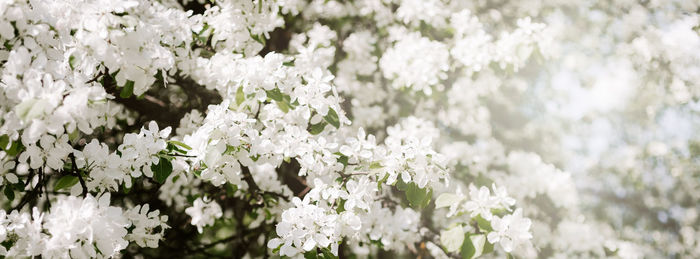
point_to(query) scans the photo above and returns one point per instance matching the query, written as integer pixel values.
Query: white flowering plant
(349, 129)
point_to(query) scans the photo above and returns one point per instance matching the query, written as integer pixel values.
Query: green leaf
(382, 181)
(230, 150)
(343, 159)
(73, 136)
(231, 189)
(447, 200)
(275, 94)
(178, 143)
(311, 254)
(332, 118)
(4, 140)
(9, 192)
(401, 185)
(284, 106)
(317, 128)
(427, 199)
(483, 223)
(327, 254)
(65, 182)
(377, 243)
(127, 90)
(453, 238)
(19, 185)
(14, 149)
(341, 206)
(488, 247)
(204, 28)
(125, 190)
(284, 102)
(375, 165)
(468, 250)
(162, 170)
(418, 197)
(71, 62)
(473, 246)
(240, 96)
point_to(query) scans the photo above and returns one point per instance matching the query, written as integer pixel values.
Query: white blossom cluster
(415, 62)
(204, 213)
(79, 228)
(370, 128)
(509, 230)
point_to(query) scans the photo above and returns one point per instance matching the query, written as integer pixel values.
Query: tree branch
(76, 172)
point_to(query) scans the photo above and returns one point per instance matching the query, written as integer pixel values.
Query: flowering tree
(365, 128)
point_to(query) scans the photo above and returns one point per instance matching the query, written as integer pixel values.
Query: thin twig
(254, 188)
(46, 190)
(30, 195)
(74, 166)
(180, 155)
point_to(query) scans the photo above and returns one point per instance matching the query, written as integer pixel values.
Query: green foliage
(162, 170)
(283, 101)
(74, 136)
(375, 165)
(179, 144)
(71, 62)
(484, 224)
(240, 96)
(9, 192)
(316, 129)
(418, 197)
(332, 118)
(343, 159)
(127, 89)
(15, 148)
(324, 253)
(475, 246)
(274, 94)
(66, 181)
(4, 140)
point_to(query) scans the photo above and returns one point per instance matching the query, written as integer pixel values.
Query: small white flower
(480, 202)
(204, 213)
(510, 230)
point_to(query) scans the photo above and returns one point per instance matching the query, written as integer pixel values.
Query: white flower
(361, 193)
(105, 168)
(480, 202)
(408, 156)
(432, 12)
(145, 223)
(139, 151)
(50, 150)
(203, 213)
(510, 231)
(394, 229)
(415, 62)
(79, 226)
(75, 228)
(501, 196)
(305, 227)
(5, 167)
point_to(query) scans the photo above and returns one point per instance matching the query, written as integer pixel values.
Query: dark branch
(76, 172)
